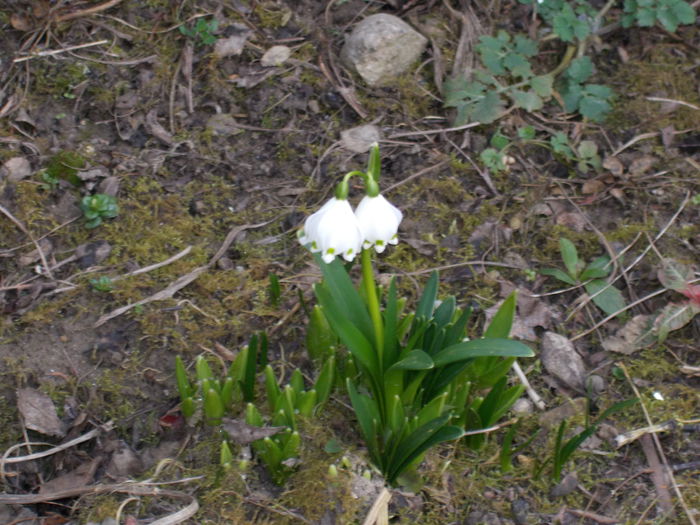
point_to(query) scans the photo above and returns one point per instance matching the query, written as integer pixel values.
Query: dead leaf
(233, 44)
(641, 165)
(614, 166)
(360, 138)
(275, 56)
(155, 129)
(560, 359)
(573, 220)
(15, 169)
(74, 479)
(592, 186)
(39, 412)
(20, 22)
(635, 335)
(243, 433)
(33, 256)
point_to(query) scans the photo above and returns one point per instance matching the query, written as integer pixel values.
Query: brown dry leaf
(635, 335)
(155, 129)
(532, 312)
(34, 256)
(591, 187)
(232, 45)
(613, 165)
(20, 22)
(641, 165)
(243, 433)
(39, 412)
(573, 220)
(74, 479)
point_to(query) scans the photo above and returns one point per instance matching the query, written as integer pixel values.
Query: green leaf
(525, 46)
(610, 299)
(580, 69)
(345, 296)
(324, 382)
(570, 256)
(517, 65)
(183, 383)
(213, 407)
(481, 347)
(410, 451)
(502, 321)
(594, 108)
(528, 132)
(425, 307)
(349, 334)
(684, 12)
(414, 360)
(320, 338)
(202, 368)
(598, 268)
(488, 108)
(367, 414)
(527, 100)
(542, 85)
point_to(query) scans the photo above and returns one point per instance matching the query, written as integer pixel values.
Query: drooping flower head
(379, 222)
(333, 230)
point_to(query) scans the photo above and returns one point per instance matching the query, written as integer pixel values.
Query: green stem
(373, 305)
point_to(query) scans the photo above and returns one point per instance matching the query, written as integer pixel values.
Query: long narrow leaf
(481, 347)
(414, 360)
(502, 322)
(455, 333)
(390, 326)
(345, 296)
(427, 300)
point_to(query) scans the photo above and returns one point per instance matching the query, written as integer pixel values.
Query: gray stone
(381, 47)
(560, 359)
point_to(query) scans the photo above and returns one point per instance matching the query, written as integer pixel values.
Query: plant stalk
(373, 305)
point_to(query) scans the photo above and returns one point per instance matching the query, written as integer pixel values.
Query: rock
(569, 409)
(561, 360)
(381, 47)
(522, 406)
(15, 169)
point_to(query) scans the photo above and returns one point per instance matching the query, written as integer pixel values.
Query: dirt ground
(204, 150)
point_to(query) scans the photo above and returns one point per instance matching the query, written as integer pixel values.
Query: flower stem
(373, 304)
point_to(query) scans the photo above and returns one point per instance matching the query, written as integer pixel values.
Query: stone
(381, 47)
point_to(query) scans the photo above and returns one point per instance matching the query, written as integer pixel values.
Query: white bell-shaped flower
(333, 230)
(379, 222)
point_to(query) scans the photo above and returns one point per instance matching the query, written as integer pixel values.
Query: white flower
(333, 230)
(379, 221)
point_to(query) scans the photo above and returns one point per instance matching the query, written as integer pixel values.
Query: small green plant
(591, 276)
(279, 452)
(215, 397)
(590, 100)
(670, 13)
(102, 284)
(563, 450)
(65, 165)
(570, 21)
(50, 182)
(483, 98)
(273, 290)
(97, 207)
(202, 31)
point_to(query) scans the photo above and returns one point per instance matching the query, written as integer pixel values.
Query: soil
(112, 98)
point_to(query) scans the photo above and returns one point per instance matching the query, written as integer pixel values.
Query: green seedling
(202, 31)
(563, 450)
(274, 291)
(98, 207)
(102, 284)
(591, 276)
(593, 101)
(570, 20)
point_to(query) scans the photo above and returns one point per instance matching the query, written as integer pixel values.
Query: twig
(53, 52)
(379, 513)
(598, 518)
(659, 450)
(155, 266)
(534, 396)
(482, 173)
(87, 12)
(434, 131)
(680, 102)
(21, 226)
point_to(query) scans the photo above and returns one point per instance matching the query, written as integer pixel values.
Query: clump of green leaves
(563, 450)
(570, 20)
(102, 284)
(670, 13)
(483, 98)
(202, 31)
(590, 100)
(421, 381)
(98, 207)
(591, 276)
(279, 452)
